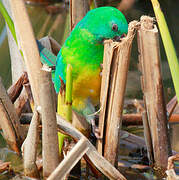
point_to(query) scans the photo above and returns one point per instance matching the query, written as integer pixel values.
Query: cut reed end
(147, 22)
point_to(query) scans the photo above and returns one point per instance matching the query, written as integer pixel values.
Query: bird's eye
(115, 27)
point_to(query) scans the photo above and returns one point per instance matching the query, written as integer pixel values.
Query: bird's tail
(47, 57)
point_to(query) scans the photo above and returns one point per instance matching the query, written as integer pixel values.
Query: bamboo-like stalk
(22, 103)
(15, 90)
(28, 45)
(136, 119)
(50, 152)
(168, 45)
(148, 138)
(171, 106)
(78, 9)
(17, 63)
(116, 78)
(9, 121)
(99, 161)
(149, 58)
(71, 160)
(29, 147)
(107, 60)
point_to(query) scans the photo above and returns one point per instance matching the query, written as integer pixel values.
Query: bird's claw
(96, 131)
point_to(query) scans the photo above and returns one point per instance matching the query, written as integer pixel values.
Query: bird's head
(104, 23)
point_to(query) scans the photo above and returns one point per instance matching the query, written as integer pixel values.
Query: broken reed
(114, 78)
(99, 161)
(29, 147)
(152, 86)
(42, 96)
(9, 121)
(49, 124)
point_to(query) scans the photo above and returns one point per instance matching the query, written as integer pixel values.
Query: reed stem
(168, 45)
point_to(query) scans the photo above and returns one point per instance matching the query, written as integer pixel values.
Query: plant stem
(8, 20)
(168, 45)
(68, 95)
(65, 104)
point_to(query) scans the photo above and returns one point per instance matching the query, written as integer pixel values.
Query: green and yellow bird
(83, 49)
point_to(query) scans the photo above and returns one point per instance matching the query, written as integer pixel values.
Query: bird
(83, 50)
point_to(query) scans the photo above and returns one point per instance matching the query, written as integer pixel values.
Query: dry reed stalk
(132, 119)
(136, 119)
(171, 106)
(28, 45)
(78, 9)
(148, 138)
(29, 147)
(107, 61)
(22, 104)
(99, 161)
(17, 63)
(81, 124)
(50, 147)
(9, 121)
(149, 58)
(114, 77)
(70, 160)
(171, 175)
(15, 90)
(41, 33)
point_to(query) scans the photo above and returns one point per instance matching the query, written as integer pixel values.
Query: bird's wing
(59, 73)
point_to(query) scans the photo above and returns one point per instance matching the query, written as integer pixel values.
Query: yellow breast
(86, 85)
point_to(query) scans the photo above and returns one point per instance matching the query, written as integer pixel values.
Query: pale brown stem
(148, 138)
(9, 121)
(70, 160)
(15, 90)
(115, 68)
(50, 152)
(152, 86)
(22, 103)
(17, 63)
(78, 9)
(28, 45)
(29, 147)
(100, 162)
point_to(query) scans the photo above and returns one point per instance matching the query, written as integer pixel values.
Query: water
(58, 27)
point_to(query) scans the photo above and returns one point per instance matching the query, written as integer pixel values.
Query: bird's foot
(95, 129)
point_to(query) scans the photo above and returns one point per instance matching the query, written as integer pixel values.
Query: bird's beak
(118, 38)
